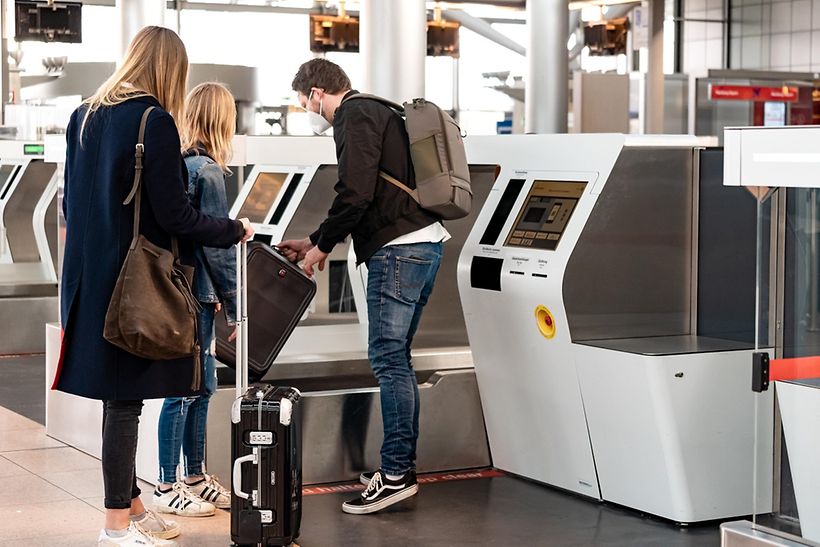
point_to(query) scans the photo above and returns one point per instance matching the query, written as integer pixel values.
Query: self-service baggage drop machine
(288, 191)
(607, 287)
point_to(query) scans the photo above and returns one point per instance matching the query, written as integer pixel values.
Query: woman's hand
(246, 224)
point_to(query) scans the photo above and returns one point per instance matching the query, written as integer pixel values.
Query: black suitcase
(279, 293)
(266, 497)
(266, 505)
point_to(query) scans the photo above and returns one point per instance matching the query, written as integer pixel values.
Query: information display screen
(262, 196)
(545, 214)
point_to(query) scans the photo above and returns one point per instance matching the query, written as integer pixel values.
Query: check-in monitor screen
(545, 214)
(262, 196)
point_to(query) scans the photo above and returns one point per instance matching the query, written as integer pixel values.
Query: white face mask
(317, 122)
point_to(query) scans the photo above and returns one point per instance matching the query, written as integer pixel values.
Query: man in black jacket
(400, 243)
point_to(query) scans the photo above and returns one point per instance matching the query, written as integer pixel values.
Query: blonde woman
(99, 172)
(209, 123)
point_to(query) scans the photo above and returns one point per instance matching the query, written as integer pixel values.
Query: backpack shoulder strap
(400, 185)
(386, 102)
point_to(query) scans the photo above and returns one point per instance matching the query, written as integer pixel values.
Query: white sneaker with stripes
(181, 501)
(211, 491)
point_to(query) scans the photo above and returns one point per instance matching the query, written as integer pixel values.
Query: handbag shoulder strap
(140, 151)
(136, 194)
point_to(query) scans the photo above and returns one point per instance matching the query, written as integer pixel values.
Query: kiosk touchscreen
(545, 214)
(261, 196)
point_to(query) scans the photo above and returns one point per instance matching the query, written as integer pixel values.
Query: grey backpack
(438, 156)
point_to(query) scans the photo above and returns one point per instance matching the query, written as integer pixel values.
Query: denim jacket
(215, 277)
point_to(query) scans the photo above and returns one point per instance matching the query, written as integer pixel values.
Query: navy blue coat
(99, 173)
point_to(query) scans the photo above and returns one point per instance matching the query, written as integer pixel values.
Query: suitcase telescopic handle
(241, 319)
(237, 475)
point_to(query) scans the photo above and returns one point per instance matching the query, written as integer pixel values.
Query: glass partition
(788, 318)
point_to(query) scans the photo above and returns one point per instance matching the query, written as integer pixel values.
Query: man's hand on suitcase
(295, 250)
(314, 257)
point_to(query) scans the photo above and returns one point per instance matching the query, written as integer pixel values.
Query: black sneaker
(382, 493)
(366, 477)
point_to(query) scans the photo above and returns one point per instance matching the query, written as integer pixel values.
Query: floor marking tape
(422, 479)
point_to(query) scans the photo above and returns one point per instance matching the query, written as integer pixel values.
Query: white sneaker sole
(383, 504)
(170, 533)
(165, 510)
(113, 543)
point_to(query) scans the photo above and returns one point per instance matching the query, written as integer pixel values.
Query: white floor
(52, 495)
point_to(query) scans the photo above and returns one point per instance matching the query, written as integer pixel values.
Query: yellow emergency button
(545, 322)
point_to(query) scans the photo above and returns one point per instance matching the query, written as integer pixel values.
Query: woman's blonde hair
(210, 121)
(156, 64)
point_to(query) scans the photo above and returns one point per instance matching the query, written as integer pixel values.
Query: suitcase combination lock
(260, 438)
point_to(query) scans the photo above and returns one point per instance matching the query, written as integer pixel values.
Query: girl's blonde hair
(156, 64)
(210, 121)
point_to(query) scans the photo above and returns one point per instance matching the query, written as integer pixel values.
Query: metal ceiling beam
(483, 28)
(208, 6)
(520, 4)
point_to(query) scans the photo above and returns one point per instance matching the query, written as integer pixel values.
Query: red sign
(754, 93)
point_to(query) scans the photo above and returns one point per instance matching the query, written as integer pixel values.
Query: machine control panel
(545, 214)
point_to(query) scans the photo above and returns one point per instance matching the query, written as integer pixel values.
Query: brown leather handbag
(153, 312)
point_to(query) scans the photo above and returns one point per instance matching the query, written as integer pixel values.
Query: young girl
(208, 126)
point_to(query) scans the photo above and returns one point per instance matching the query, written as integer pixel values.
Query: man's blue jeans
(399, 283)
(183, 420)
